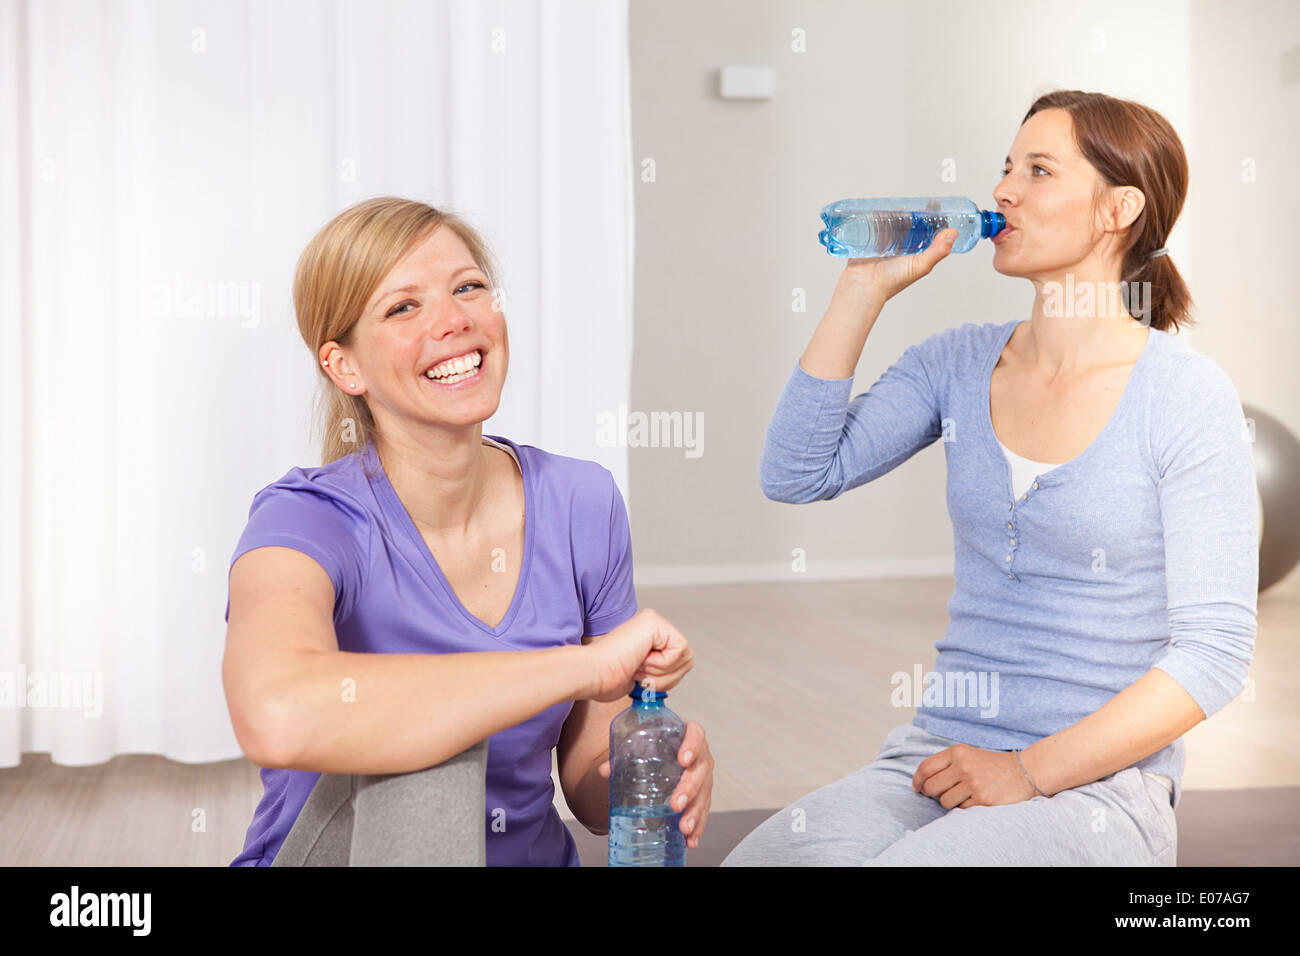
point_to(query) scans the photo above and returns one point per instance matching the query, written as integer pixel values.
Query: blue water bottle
(872, 228)
(643, 772)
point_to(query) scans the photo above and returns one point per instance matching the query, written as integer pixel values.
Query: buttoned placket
(1012, 533)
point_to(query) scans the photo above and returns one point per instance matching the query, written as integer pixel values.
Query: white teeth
(458, 377)
(454, 368)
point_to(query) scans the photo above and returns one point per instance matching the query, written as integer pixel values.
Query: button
(1009, 574)
(1010, 506)
(1008, 557)
(1013, 540)
(1009, 526)
(1035, 484)
(1024, 496)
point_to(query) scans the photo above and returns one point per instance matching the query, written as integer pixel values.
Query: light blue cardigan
(1140, 552)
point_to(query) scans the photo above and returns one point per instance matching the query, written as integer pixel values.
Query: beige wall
(881, 102)
(1245, 96)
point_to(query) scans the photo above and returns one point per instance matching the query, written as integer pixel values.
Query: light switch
(746, 82)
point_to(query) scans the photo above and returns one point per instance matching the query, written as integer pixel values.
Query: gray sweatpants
(431, 817)
(872, 817)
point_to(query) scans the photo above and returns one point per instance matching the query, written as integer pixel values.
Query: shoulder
(1186, 379)
(581, 509)
(316, 498)
(1194, 404)
(956, 348)
(321, 512)
(586, 486)
(969, 338)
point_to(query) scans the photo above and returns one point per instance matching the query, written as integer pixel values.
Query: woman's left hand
(694, 791)
(965, 776)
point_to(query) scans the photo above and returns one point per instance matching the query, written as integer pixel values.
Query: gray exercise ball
(1277, 475)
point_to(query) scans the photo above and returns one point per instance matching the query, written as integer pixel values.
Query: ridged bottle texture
(873, 228)
(644, 740)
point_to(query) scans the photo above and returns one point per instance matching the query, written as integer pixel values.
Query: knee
(760, 845)
(787, 839)
(472, 759)
(463, 775)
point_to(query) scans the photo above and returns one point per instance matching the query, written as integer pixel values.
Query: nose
(450, 318)
(1002, 192)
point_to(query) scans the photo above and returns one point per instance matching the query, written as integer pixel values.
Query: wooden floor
(791, 681)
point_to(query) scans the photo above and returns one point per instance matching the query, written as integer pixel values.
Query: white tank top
(1023, 470)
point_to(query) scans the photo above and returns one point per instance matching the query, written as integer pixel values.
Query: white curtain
(162, 166)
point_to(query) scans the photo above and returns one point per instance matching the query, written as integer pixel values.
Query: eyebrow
(416, 288)
(1047, 156)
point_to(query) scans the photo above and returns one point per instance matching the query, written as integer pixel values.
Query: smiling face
(1046, 194)
(433, 311)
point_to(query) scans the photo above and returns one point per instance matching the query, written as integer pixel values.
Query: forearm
(1149, 714)
(798, 465)
(343, 712)
(838, 341)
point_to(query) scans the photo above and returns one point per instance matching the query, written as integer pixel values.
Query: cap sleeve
(608, 594)
(329, 528)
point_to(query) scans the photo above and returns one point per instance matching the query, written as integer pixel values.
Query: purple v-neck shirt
(390, 597)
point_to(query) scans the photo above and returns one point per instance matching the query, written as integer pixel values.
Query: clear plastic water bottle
(644, 740)
(871, 228)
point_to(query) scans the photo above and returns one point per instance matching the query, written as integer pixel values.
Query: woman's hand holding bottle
(889, 275)
(645, 648)
(864, 287)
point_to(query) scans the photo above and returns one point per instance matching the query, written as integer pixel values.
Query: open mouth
(457, 370)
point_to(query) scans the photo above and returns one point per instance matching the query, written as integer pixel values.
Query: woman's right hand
(645, 648)
(889, 275)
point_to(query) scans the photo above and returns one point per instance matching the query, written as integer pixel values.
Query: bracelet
(1026, 772)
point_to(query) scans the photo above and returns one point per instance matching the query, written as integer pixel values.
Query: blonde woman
(416, 625)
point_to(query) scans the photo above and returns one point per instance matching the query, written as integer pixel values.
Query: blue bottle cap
(991, 223)
(640, 693)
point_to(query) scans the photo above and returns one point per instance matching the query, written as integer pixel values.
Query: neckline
(399, 516)
(1024, 460)
(1056, 471)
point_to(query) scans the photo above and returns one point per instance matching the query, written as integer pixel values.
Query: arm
(864, 287)
(841, 335)
(1149, 714)
(818, 444)
(609, 598)
(582, 748)
(287, 682)
(1206, 488)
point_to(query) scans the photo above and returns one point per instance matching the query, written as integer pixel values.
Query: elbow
(771, 484)
(791, 491)
(799, 484)
(279, 744)
(262, 735)
(267, 730)
(771, 490)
